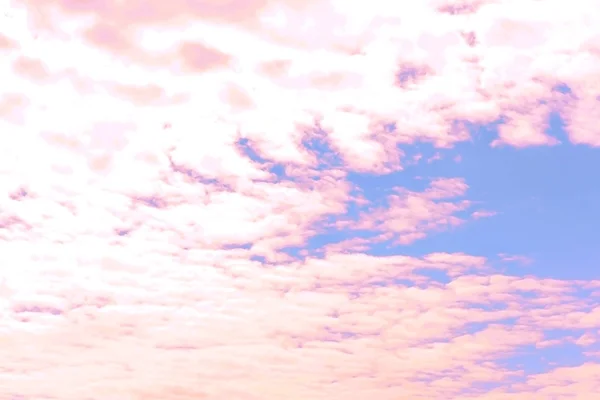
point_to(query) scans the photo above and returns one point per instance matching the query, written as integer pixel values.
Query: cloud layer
(187, 205)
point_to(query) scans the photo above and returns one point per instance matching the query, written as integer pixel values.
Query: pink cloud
(108, 36)
(7, 43)
(410, 215)
(13, 105)
(238, 98)
(200, 58)
(580, 116)
(179, 219)
(31, 69)
(522, 130)
(140, 94)
(483, 214)
(520, 259)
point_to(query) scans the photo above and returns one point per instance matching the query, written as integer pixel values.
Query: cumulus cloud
(167, 170)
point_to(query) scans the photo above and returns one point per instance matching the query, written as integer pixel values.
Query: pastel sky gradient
(299, 199)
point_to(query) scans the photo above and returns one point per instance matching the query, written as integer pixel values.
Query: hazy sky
(299, 199)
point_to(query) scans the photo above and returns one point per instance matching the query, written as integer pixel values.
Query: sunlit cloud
(274, 199)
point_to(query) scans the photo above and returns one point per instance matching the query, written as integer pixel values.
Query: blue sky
(546, 199)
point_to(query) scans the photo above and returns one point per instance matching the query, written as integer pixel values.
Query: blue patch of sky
(243, 246)
(407, 75)
(260, 259)
(474, 327)
(434, 274)
(293, 251)
(400, 282)
(562, 88)
(557, 333)
(534, 360)
(245, 146)
(547, 198)
(327, 156)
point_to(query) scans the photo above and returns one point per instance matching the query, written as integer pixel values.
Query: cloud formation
(190, 204)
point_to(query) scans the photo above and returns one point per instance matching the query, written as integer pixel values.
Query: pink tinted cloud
(409, 216)
(31, 69)
(142, 262)
(7, 43)
(520, 259)
(483, 214)
(200, 58)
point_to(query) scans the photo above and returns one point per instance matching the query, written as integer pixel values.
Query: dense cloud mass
(219, 199)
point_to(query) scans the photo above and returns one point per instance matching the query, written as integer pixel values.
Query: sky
(299, 199)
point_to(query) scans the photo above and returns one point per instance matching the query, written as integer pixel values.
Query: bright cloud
(299, 199)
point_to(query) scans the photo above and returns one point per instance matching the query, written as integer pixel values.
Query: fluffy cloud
(167, 168)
